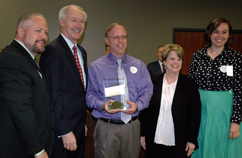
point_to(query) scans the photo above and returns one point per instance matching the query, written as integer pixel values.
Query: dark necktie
(35, 60)
(78, 65)
(163, 70)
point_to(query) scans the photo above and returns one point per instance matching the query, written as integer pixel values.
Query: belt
(118, 122)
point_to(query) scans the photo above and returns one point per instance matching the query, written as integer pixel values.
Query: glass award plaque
(116, 105)
(115, 89)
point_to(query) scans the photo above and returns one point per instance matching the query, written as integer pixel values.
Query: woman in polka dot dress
(217, 72)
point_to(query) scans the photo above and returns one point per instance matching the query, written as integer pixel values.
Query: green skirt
(213, 142)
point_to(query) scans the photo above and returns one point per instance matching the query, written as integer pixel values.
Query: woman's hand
(142, 142)
(234, 131)
(190, 148)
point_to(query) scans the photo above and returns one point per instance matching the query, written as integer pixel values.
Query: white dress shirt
(164, 133)
(161, 66)
(71, 45)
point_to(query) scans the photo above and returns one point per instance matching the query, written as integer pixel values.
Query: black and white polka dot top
(210, 75)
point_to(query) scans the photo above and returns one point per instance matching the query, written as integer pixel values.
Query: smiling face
(220, 35)
(173, 63)
(74, 24)
(35, 36)
(117, 47)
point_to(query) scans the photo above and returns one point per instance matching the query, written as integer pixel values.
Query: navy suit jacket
(62, 75)
(154, 69)
(26, 110)
(186, 113)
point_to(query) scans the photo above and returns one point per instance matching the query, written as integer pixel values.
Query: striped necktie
(78, 65)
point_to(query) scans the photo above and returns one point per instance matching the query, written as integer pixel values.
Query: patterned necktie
(163, 70)
(78, 65)
(121, 75)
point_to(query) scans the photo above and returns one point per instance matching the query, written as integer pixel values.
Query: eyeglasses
(117, 38)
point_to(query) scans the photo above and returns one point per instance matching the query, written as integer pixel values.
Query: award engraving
(115, 89)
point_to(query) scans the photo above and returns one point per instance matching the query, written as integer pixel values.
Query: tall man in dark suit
(156, 68)
(64, 63)
(26, 111)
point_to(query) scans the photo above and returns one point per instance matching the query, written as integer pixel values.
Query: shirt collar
(205, 52)
(69, 43)
(114, 59)
(25, 48)
(160, 62)
(173, 85)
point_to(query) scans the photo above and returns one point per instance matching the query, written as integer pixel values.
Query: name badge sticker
(223, 69)
(133, 69)
(229, 70)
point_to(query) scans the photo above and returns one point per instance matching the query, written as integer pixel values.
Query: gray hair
(63, 11)
(22, 21)
(159, 47)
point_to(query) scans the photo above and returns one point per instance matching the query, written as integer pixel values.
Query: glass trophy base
(116, 105)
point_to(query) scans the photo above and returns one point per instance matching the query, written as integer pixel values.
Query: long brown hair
(213, 25)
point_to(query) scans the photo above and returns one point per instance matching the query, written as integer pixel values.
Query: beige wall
(149, 23)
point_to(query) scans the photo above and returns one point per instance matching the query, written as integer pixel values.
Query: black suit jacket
(62, 75)
(154, 69)
(186, 113)
(26, 110)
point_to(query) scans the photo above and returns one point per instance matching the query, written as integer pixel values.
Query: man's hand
(69, 141)
(106, 105)
(234, 131)
(42, 155)
(190, 148)
(142, 142)
(132, 109)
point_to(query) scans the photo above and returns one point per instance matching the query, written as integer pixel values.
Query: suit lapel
(30, 59)
(179, 88)
(25, 53)
(158, 89)
(157, 67)
(70, 57)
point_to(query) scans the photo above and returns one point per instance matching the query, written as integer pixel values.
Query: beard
(34, 48)
(37, 50)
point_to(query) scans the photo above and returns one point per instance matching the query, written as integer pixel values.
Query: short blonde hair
(111, 26)
(169, 47)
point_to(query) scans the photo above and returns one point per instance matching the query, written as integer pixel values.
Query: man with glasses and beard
(26, 110)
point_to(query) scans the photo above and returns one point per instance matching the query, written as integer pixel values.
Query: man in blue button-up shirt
(113, 137)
